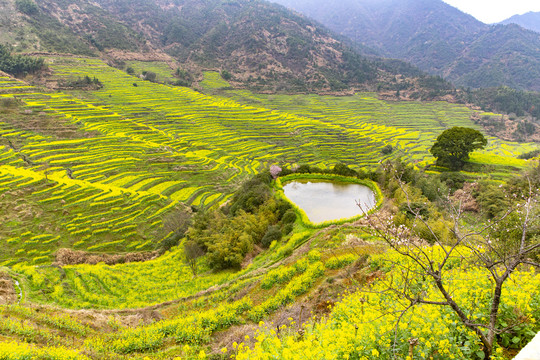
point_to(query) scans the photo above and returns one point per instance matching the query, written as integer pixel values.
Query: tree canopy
(453, 146)
(18, 64)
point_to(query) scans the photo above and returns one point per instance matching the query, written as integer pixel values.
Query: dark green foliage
(492, 199)
(130, 70)
(529, 155)
(287, 229)
(303, 169)
(521, 185)
(509, 231)
(395, 66)
(282, 208)
(504, 99)
(272, 234)
(150, 76)
(453, 146)
(431, 186)
(344, 170)
(18, 64)
(229, 233)
(54, 36)
(436, 84)
(289, 217)
(184, 78)
(82, 83)
(168, 243)
(435, 37)
(221, 34)
(414, 209)
(387, 150)
(226, 75)
(454, 180)
(27, 7)
(338, 169)
(100, 29)
(251, 195)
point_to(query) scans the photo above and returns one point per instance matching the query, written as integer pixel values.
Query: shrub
(252, 194)
(529, 155)
(272, 234)
(226, 75)
(150, 76)
(454, 180)
(492, 200)
(289, 217)
(287, 229)
(82, 83)
(344, 170)
(387, 149)
(18, 64)
(283, 207)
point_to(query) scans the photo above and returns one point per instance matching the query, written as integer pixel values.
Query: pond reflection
(325, 200)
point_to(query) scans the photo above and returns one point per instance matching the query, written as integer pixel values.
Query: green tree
(18, 64)
(453, 146)
(226, 75)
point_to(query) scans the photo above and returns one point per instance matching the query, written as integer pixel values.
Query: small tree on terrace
(453, 146)
(192, 251)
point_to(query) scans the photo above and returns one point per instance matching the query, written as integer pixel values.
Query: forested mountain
(263, 45)
(436, 37)
(530, 20)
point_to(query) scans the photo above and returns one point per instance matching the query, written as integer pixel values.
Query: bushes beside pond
(338, 169)
(253, 218)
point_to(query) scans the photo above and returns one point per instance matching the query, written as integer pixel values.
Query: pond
(326, 200)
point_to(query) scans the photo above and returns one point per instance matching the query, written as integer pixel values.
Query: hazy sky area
(492, 11)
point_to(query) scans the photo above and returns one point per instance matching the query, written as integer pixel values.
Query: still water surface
(325, 200)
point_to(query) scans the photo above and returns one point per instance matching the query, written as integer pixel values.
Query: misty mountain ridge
(530, 21)
(436, 37)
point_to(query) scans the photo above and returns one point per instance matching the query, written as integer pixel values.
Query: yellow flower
(375, 353)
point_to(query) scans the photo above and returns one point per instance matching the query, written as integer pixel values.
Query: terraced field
(104, 170)
(424, 121)
(138, 151)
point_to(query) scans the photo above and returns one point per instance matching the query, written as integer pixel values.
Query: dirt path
(8, 295)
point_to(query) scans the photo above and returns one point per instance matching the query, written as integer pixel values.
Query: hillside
(262, 45)
(530, 20)
(437, 38)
